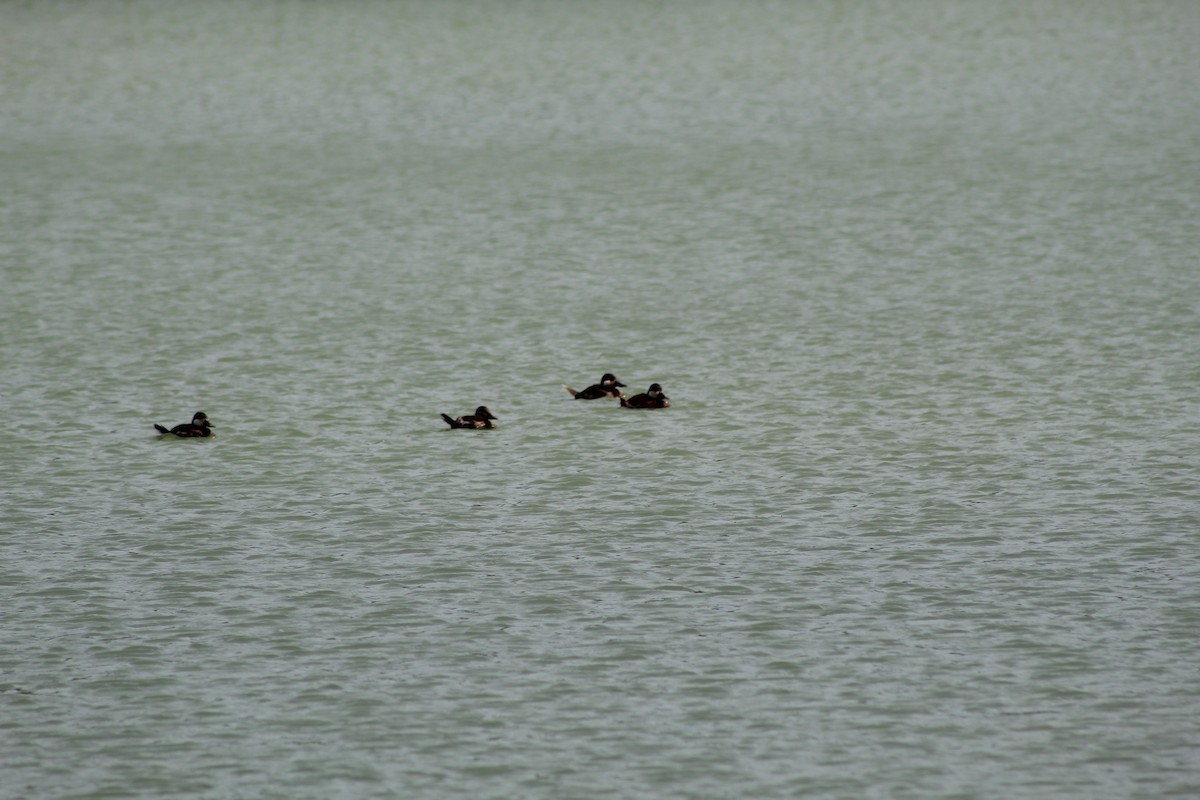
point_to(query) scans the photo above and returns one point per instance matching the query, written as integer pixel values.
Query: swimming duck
(482, 418)
(199, 426)
(653, 398)
(607, 387)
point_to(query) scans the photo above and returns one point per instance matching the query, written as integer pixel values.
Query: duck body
(198, 427)
(651, 398)
(608, 386)
(482, 418)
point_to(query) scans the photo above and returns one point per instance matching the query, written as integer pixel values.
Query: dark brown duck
(652, 398)
(199, 426)
(608, 386)
(482, 418)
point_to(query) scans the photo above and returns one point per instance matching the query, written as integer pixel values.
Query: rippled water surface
(920, 280)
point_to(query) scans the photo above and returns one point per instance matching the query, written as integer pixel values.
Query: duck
(199, 426)
(608, 386)
(653, 398)
(482, 418)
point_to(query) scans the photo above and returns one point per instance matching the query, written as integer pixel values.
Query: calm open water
(921, 280)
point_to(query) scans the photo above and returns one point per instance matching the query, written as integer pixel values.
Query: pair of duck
(201, 427)
(608, 386)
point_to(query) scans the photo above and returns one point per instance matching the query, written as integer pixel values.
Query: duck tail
(160, 428)
(572, 391)
(624, 402)
(449, 420)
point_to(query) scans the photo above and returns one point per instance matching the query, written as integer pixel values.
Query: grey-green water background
(921, 279)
